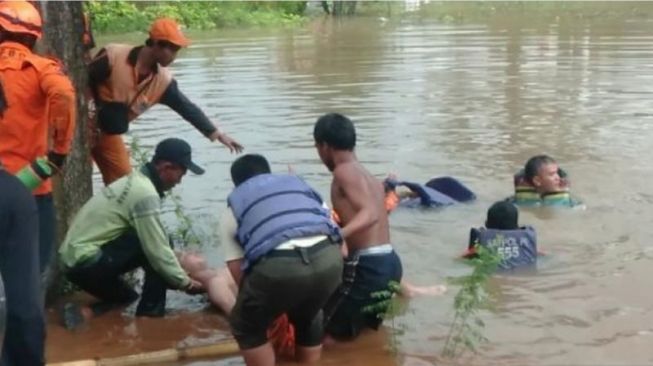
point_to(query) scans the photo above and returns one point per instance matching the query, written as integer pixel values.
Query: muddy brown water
(471, 101)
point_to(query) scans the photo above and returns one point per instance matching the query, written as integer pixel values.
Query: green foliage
(119, 16)
(465, 332)
(386, 307)
(383, 307)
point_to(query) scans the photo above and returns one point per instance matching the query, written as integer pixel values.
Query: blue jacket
(271, 209)
(441, 191)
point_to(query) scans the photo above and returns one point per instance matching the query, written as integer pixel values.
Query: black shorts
(364, 274)
(284, 281)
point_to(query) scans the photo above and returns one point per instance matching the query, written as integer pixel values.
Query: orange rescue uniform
(122, 85)
(40, 99)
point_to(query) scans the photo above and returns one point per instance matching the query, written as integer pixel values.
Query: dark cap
(176, 151)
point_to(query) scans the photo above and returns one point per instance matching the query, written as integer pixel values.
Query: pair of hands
(227, 141)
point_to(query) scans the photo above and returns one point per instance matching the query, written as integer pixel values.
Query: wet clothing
(517, 248)
(437, 192)
(101, 276)
(40, 107)
(293, 281)
(423, 195)
(366, 271)
(120, 97)
(19, 267)
(274, 208)
(132, 203)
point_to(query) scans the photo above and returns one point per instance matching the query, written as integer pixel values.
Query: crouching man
(119, 230)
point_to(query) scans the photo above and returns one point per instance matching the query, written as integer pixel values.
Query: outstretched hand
(227, 141)
(194, 288)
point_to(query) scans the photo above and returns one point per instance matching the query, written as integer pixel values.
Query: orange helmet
(20, 17)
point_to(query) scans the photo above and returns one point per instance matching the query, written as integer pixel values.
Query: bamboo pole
(222, 349)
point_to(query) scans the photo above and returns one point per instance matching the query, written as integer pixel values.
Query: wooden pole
(222, 349)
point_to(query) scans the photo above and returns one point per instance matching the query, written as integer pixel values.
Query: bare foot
(409, 290)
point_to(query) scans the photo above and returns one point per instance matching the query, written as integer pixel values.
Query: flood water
(472, 101)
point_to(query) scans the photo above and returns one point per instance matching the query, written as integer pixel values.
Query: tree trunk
(338, 7)
(351, 7)
(63, 29)
(341, 8)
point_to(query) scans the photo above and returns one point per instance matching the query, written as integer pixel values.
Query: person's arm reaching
(154, 242)
(175, 99)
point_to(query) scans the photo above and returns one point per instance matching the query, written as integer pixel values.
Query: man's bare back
(358, 198)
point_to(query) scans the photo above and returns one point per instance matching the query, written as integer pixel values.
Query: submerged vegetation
(466, 330)
(386, 307)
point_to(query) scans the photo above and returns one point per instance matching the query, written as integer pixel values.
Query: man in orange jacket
(126, 81)
(38, 114)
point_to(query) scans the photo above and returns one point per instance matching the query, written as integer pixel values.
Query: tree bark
(343, 7)
(62, 37)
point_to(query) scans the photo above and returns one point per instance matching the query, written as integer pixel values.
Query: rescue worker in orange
(126, 81)
(39, 118)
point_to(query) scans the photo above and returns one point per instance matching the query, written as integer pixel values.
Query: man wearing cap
(126, 81)
(119, 230)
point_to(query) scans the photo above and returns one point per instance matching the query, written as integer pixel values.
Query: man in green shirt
(119, 229)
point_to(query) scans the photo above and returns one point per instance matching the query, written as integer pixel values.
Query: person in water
(358, 199)
(542, 182)
(437, 192)
(515, 245)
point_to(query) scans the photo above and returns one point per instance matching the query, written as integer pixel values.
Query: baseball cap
(176, 151)
(167, 29)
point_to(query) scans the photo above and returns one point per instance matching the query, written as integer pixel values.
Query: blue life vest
(271, 209)
(517, 248)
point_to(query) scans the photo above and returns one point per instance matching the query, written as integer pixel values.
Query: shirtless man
(358, 198)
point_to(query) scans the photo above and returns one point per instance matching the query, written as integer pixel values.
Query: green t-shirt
(130, 203)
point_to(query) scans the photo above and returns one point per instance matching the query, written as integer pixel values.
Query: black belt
(303, 252)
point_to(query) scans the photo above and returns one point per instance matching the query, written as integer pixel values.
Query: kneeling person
(281, 247)
(119, 230)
